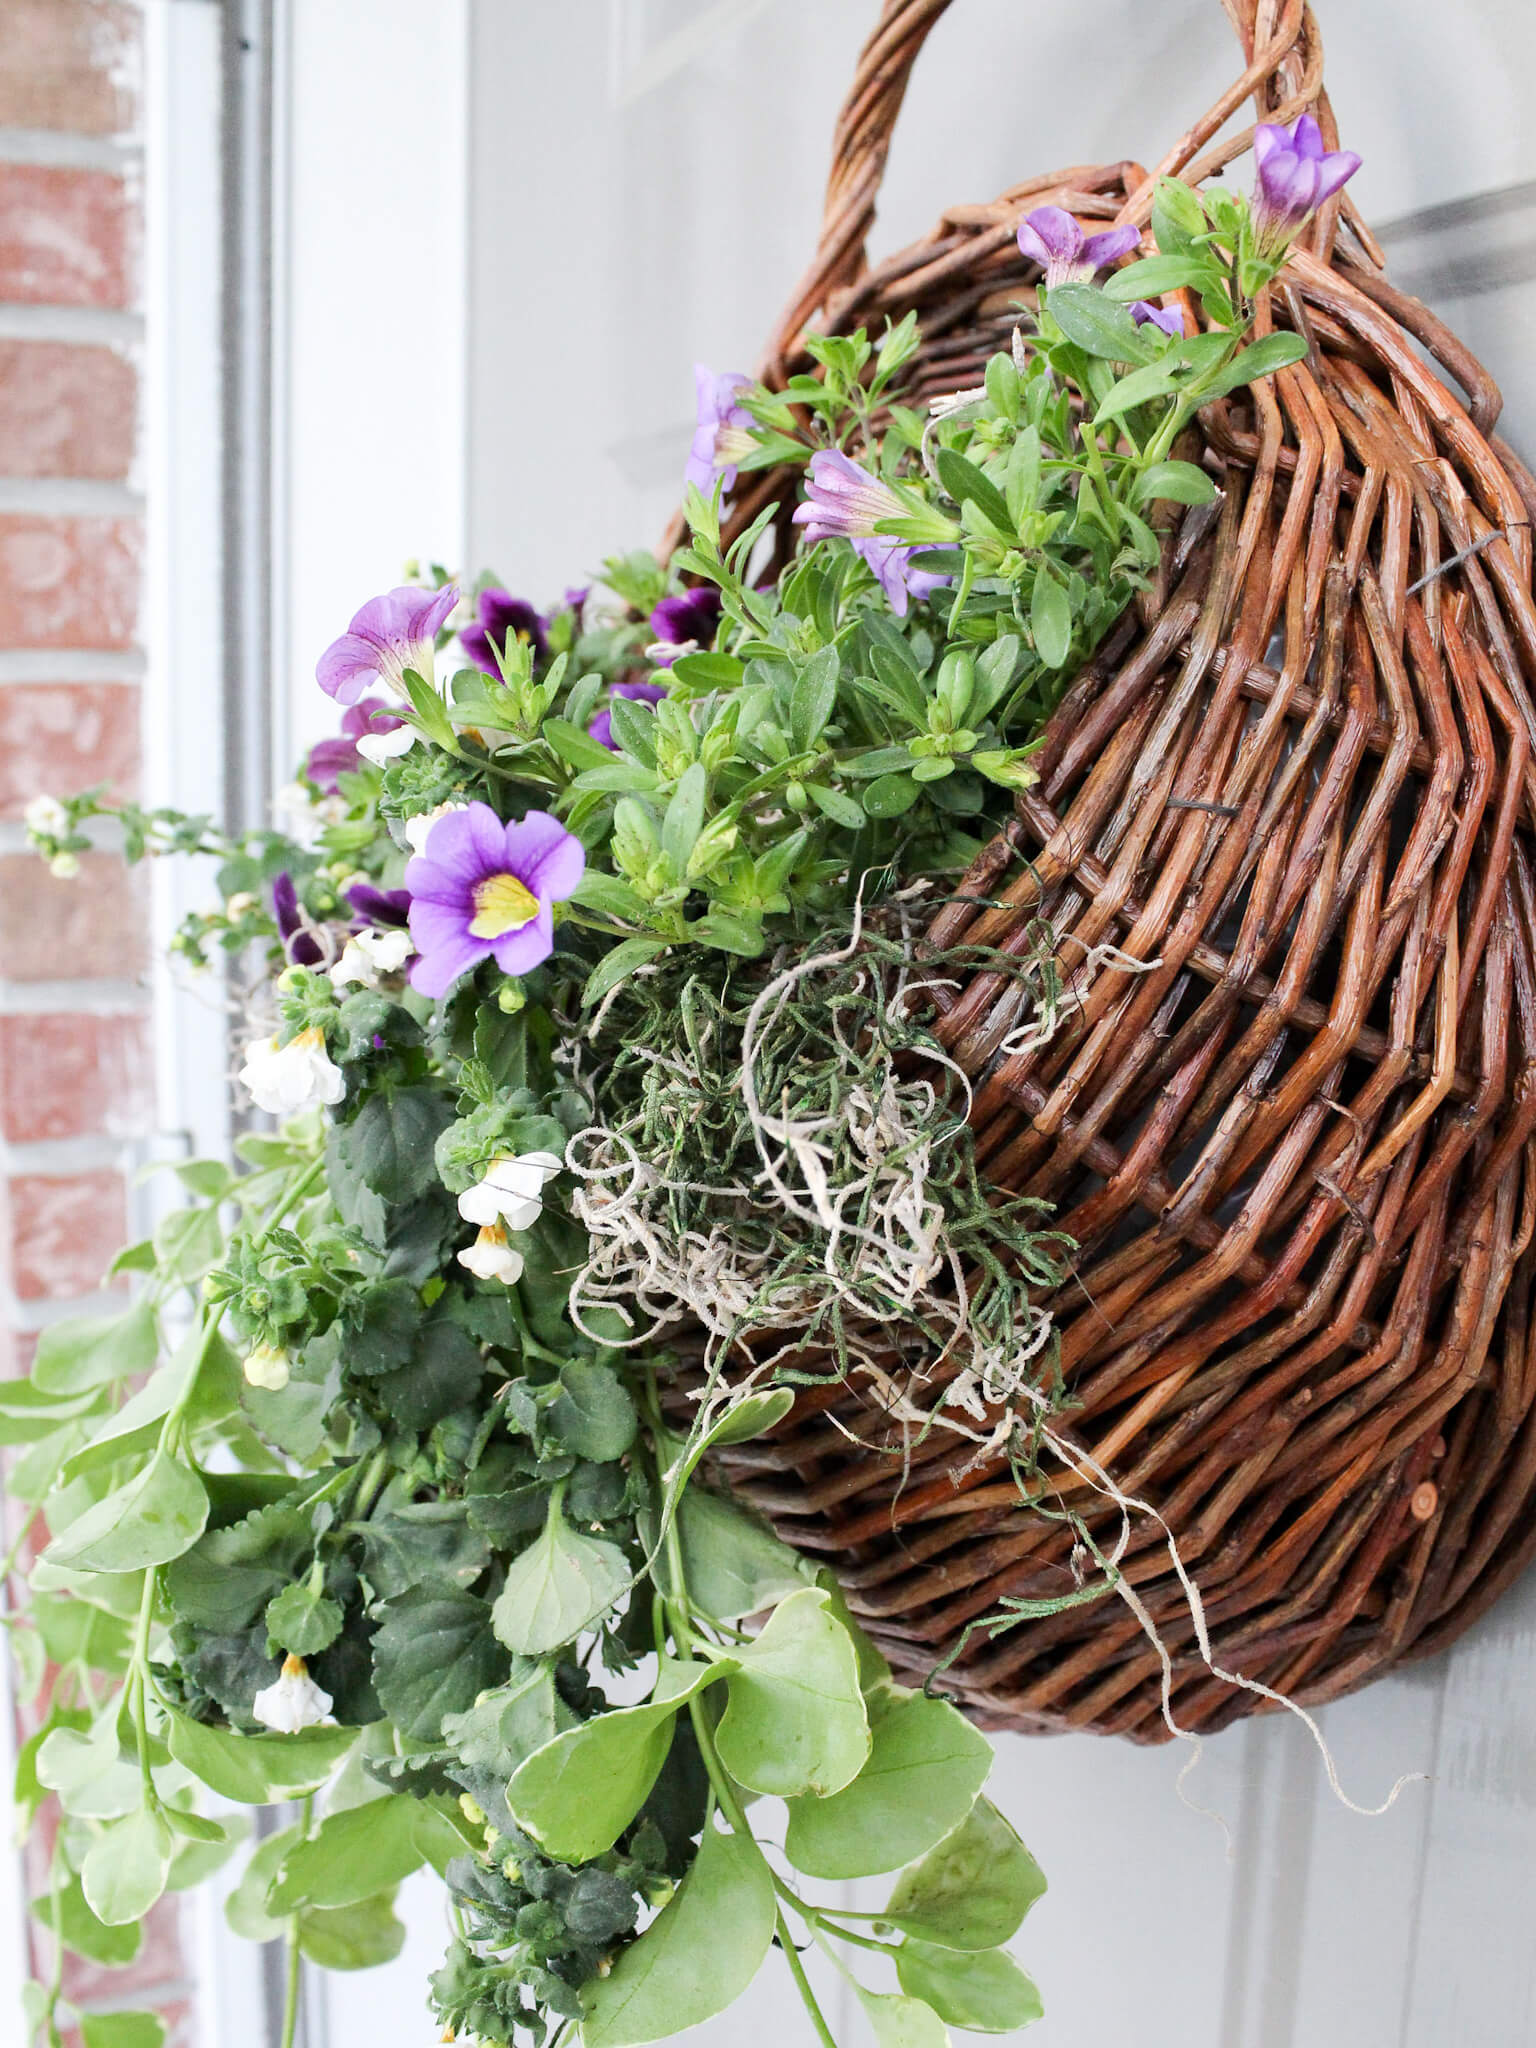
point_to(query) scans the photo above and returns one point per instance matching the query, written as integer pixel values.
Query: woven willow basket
(1297, 1151)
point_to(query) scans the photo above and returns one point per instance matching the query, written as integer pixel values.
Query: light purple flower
(601, 728)
(1169, 318)
(389, 635)
(1295, 175)
(1052, 238)
(482, 889)
(889, 560)
(575, 599)
(685, 620)
(329, 759)
(721, 438)
(843, 501)
(503, 618)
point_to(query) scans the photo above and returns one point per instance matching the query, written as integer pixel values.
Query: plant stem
(291, 1995)
(803, 1985)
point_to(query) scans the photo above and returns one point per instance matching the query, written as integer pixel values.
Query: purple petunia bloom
(721, 438)
(330, 758)
(1052, 238)
(575, 599)
(388, 909)
(299, 945)
(389, 635)
(1169, 318)
(1295, 175)
(685, 620)
(484, 889)
(889, 559)
(843, 501)
(503, 619)
(601, 728)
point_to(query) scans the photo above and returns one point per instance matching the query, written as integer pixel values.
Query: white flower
(511, 1191)
(490, 1257)
(293, 1701)
(267, 1367)
(302, 818)
(379, 747)
(241, 904)
(46, 818)
(416, 829)
(65, 866)
(287, 1079)
(368, 956)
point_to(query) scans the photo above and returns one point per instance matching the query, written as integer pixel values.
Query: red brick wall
(75, 1075)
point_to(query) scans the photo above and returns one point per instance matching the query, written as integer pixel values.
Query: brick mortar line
(65, 497)
(74, 999)
(66, 1158)
(109, 325)
(72, 665)
(61, 149)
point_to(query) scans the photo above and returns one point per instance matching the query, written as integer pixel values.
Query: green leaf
(684, 818)
(187, 1242)
(899, 2022)
(971, 1891)
(122, 2030)
(245, 1909)
(434, 1655)
(27, 1414)
(986, 1993)
(794, 1720)
(578, 1794)
(1153, 275)
(303, 1620)
(126, 1867)
(84, 1933)
(890, 795)
(561, 1584)
(352, 1937)
(1177, 216)
(925, 1768)
(835, 804)
(708, 671)
(507, 1725)
(1270, 353)
(78, 1352)
(963, 480)
(634, 727)
(618, 965)
(698, 1955)
(349, 1857)
(592, 1414)
(388, 1144)
(609, 896)
(1050, 619)
(256, 1770)
(752, 1416)
(154, 1517)
(1098, 325)
(733, 1563)
(87, 1771)
(574, 746)
(1180, 481)
(812, 699)
(1153, 380)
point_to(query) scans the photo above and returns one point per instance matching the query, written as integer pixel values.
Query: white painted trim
(57, 148)
(70, 323)
(69, 497)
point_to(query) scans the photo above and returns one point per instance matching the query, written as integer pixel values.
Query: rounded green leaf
(349, 1857)
(899, 2022)
(154, 1517)
(78, 1352)
(986, 1993)
(246, 1907)
(732, 1562)
(795, 1722)
(126, 1868)
(560, 1585)
(698, 1955)
(925, 1768)
(889, 795)
(352, 1937)
(122, 2030)
(257, 1770)
(973, 1890)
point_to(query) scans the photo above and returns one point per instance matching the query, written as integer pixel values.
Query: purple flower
(330, 758)
(721, 438)
(503, 619)
(1169, 318)
(889, 559)
(686, 620)
(844, 502)
(483, 888)
(386, 908)
(299, 945)
(389, 635)
(575, 599)
(1052, 238)
(601, 728)
(1295, 176)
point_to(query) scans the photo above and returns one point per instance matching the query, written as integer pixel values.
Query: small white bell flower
(370, 955)
(511, 1190)
(490, 1257)
(293, 1701)
(267, 1367)
(379, 747)
(286, 1080)
(65, 866)
(417, 829)
(46, 818)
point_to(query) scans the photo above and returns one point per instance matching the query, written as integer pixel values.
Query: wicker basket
(1297, 1150)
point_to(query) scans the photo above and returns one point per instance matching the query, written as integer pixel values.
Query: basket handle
(1283, 73)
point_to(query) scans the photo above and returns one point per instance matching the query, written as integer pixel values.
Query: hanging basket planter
(1284, 844)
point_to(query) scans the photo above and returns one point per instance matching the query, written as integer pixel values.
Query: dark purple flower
(1052, 238)
(299, 944)
(503, 619)
(844, 502)
(386, 908)
(483, 888)
(1169, 318)
(721, 437)
(389, 635)
(1295, 175)
(687, 619)
(889, 559)
(330, 758)
(575, 599)
(601, 728)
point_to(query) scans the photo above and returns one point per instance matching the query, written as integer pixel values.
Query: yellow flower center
(502, 905)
